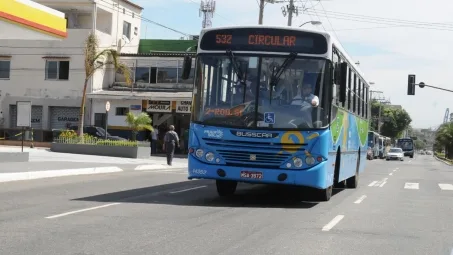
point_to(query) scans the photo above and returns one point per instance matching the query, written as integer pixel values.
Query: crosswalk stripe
(411, 185)
(445, 186)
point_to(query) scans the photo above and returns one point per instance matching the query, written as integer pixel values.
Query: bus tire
(412, 156)
(226, 188)
(353, 182)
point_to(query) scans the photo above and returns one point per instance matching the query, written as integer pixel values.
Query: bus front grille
(253, 158)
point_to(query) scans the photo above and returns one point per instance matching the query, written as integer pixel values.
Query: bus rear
(249, 120)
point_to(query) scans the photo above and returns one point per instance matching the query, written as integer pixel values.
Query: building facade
(157, 89)
(51, 74)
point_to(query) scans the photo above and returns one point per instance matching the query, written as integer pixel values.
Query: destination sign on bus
(264, 39)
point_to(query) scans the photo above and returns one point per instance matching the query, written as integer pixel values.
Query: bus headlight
(199, 153)
(210, 156)
(297, 162)
(310, 160)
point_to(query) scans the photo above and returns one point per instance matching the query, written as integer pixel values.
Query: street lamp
(313, 22)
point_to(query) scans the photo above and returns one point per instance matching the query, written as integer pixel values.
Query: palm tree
(138, 123)
(95, 60)
(444, 138)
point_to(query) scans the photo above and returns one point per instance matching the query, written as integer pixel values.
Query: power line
(384, 21)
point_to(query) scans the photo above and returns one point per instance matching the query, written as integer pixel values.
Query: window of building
(127, 29)
(122, 111)
(5, 69)
(167, 75)
(57, 70)
(142, 74)
(189, 80)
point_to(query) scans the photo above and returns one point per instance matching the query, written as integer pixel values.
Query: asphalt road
(399, 208)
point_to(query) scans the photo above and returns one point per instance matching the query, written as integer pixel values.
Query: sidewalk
(44, 164)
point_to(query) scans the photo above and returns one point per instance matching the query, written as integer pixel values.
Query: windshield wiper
(275, 77)
(236, 68)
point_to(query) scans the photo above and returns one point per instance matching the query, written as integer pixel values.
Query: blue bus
(373, 143)
(407, 144)
(276, 105)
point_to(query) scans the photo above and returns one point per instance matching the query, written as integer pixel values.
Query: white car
(395, 153)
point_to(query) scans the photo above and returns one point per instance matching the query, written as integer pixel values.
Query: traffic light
(411, 84)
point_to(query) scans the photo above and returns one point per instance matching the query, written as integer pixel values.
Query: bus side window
(336, 76)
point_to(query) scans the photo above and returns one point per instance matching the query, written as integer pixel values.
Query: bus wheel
(226, 188)
(412, 156)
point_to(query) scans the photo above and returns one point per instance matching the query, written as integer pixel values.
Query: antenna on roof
(207, 9)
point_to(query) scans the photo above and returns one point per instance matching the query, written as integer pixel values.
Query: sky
(389, 38)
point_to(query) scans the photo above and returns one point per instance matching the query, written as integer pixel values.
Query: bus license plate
(251, 175)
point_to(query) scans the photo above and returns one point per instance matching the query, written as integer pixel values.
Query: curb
(158, 167)
(443, 161)
(33, 175)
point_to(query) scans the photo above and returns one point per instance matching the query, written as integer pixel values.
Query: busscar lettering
(272, 40)
(223, 39)
(254, 134)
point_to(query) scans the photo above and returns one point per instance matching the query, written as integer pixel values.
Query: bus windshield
(405, 144)
(251, 91)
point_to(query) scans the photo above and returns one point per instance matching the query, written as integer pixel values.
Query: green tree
(444, 139)
(138, 122)
(96, 60)
(393, 120)
(419, 145)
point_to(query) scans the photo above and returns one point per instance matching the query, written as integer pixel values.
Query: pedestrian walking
(171, 140)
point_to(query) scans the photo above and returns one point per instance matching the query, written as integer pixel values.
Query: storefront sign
(135, 107)
(159, 106)
(183, 106)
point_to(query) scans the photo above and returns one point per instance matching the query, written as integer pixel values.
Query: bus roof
(329, 36)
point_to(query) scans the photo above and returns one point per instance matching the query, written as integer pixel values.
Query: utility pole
(291, 9)
(260, 19)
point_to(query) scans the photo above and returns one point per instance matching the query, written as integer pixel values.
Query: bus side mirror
(343, 81)
(186, 67)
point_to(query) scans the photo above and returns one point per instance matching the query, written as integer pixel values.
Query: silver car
(395, 153)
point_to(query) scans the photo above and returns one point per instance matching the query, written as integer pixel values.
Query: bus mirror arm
(187, 64)
(343, 81)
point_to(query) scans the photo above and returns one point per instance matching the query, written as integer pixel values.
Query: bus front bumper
(315, 177)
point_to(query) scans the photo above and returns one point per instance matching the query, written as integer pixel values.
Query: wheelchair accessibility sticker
(269, 118)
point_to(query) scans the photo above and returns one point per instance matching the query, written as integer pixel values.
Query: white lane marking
(382, 184)
(411, 185)
(394, 170)
(332, 223)
(184, 190)
(82, 210)
(372, 184)
(445, 186)
(390, 173)
(9, 177)
(358, 201)
(410, 161)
